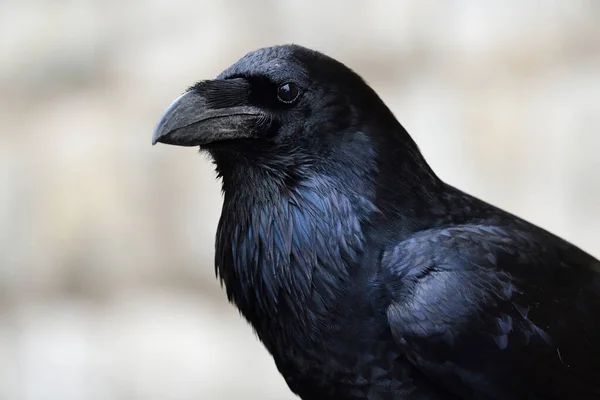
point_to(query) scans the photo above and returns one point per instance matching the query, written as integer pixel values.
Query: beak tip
(168, 120)
(157, 134)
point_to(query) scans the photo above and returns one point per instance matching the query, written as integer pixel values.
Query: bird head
(289, 111)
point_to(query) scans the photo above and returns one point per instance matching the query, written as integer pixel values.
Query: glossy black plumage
(364, 275)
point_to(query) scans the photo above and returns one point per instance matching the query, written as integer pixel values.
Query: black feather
(365, 275)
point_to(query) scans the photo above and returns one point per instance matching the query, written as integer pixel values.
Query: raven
(365, 275)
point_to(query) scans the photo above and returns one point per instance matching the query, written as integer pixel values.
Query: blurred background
(107, 289)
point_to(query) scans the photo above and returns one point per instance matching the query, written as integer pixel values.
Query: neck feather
(283, 251)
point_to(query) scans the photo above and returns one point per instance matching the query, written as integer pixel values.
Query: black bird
(365, 275)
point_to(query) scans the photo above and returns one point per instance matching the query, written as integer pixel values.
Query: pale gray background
(107, 288)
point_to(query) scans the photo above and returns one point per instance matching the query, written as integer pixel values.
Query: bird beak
(212, 111)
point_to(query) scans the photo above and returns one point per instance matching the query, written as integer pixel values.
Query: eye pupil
(288, 93)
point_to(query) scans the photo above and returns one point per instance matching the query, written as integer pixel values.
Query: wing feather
(497, 313)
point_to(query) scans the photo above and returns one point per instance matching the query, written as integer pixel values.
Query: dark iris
(288, 92)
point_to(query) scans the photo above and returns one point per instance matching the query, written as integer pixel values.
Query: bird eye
(288, 93)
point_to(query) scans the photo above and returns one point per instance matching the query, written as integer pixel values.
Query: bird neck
(291, 234)
(285, 253)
